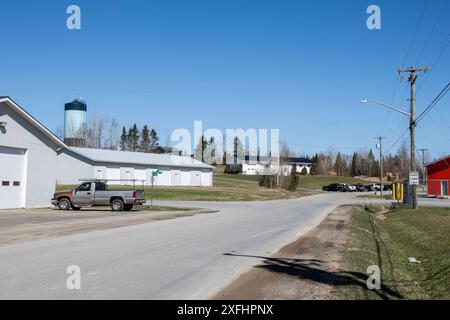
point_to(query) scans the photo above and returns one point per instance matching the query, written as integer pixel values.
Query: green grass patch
(387, 195)
(227, 187)
(389, 242)
(317, 182)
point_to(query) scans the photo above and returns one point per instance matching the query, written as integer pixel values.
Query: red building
(438, 176)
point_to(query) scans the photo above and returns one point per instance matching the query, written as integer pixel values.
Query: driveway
(23, 225)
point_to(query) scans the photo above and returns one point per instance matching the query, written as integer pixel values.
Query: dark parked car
(387, 187)
(360, 187)
(336, 187)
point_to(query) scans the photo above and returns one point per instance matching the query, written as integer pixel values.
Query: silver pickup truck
(96, 193)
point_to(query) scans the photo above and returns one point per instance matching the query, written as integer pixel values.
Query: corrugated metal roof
(446, 159)
(140, 158)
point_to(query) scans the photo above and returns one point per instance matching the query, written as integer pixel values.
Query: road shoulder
(308, 268)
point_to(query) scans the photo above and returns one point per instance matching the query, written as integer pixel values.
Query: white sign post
(413, 178)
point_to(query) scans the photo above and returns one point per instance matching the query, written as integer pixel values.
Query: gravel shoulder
(308, 268)
(23, 225)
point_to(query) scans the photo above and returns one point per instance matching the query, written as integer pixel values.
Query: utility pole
(424, 168)
(379, 146)
(412, 122)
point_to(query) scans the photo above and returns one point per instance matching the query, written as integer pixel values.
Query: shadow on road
(309, 269)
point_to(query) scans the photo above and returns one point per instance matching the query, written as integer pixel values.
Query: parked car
(373, 187)
(387, 187)
(96, 193)
(336, 187)
(360, 187)
(351, 188)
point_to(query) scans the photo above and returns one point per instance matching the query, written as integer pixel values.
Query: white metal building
(33, 160)
(260, 165)
(75, 163)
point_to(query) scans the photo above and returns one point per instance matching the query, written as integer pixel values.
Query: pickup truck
(96, 193)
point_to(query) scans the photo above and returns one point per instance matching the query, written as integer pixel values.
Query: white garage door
(12, 178)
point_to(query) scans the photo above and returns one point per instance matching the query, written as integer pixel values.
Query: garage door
(12, 178)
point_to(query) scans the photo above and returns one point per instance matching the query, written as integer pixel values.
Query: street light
(412, 124)
(387, 106)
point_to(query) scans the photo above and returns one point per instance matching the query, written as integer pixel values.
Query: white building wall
(113, 172)
(40, 157)
(69, 170)
(206, 178)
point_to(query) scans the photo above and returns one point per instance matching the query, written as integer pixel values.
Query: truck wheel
(128, 207)
(117, 205)
(64, 204)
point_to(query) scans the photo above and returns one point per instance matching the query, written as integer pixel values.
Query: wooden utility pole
(412, 122)
(379, 146)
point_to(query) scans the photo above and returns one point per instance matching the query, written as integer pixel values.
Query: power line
(434, 62)
(415, 33)
(433, 103)
(398, 139)
(432, 31)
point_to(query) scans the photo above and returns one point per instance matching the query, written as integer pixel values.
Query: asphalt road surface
(183, 258)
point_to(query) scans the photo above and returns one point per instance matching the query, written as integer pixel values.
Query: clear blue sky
(300, 66)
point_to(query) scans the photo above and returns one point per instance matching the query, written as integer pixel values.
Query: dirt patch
(24, 225)
(308, 268)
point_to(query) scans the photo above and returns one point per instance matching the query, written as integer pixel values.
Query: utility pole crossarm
(412, 70)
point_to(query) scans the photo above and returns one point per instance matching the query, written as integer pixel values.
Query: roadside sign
(414, 178)
(156, 173)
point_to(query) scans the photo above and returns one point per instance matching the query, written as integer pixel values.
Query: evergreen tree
(374, 167)
(354, 166)
(210, 152)
(315, 165)
(145, 139)
(133, 138)
(123, 139)
(154, 141)
(293, 179)
(238, 151)
(339, 165)
(200, 149)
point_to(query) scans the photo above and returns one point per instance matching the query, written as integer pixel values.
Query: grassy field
(233, 187)
(317, 182)
(388, 241)
(227, 187)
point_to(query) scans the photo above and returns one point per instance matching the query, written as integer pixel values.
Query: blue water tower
(75, 123)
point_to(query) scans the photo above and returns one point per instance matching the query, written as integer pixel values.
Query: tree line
(362, 163)
(103, 133)
(208, 151)
(146, 140)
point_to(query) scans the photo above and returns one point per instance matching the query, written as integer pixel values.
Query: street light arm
(387, 106)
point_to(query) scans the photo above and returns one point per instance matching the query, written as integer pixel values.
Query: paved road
(172, 259)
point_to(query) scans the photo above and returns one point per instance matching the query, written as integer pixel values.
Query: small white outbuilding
(33, 161)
